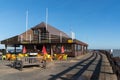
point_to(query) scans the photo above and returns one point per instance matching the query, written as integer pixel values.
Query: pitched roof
(80, 42)
(51, 29)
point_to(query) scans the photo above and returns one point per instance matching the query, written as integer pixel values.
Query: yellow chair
(3, 57)
(8, 56)
(13, 57)
(55, 56)
(26, 55)
(65, 57)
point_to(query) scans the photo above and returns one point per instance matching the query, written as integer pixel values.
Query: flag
(44, 50)
(24, 49)
(62, 49)
(72, 35)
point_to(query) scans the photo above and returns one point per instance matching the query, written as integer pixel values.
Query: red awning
(62, 49)
(44, 50)
(24, 50)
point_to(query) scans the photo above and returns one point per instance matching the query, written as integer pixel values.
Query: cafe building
(46, 35)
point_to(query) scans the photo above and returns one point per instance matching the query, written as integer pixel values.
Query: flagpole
(49, 38)
(60, 37)
(73, 35)
(26, 23)
(46, 17)
(30, 38)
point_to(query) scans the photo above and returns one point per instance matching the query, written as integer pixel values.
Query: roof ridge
(50, 27)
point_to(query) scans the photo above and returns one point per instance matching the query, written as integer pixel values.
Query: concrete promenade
(92, 66)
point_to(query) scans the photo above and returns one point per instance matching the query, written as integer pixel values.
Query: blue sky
(96, 22)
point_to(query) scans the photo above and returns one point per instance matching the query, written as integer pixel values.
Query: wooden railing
(113, 63)
(31, 60)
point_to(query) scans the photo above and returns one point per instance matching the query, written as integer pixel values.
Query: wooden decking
(93, 66)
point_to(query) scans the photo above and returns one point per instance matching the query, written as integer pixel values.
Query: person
(1, 53)
(111, 52)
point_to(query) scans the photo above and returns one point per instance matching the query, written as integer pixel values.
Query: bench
(29, 61)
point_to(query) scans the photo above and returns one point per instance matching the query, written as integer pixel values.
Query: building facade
(52, 38)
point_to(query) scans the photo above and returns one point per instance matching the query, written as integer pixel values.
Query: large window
(36, 32)
(68, 48)
(57, 48)
(44, 36)
(79, 47)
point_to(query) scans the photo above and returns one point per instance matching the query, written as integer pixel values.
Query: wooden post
(82, 49)
(15, 48)
(51, 51)
(74, 49)
(5, 48)
(39, 36)
(49, 38)
(86, 49)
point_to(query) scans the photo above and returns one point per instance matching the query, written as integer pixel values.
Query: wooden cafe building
(46, 35)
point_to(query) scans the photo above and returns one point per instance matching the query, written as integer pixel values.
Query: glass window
(79, 47)
(36, 31)
(44, 35)
(68, 48)
(75, 47)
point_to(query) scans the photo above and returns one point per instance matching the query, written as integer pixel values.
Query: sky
(96, 22)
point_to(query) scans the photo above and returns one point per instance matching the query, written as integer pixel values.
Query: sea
(115, 52)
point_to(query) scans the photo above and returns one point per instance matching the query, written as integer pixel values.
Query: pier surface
(91, 66)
